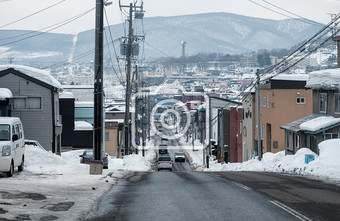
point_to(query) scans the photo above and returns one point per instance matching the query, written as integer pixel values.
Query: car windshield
(179, 154)
(4, 132)
(164, 159)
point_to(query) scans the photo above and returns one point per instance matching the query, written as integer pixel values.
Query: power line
(37, 12)
(113, 41)
(281, 13)
(291, 13)
(60, 24)
(252, 85)
(159, 50)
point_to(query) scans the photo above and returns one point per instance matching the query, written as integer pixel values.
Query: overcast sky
(13, 10)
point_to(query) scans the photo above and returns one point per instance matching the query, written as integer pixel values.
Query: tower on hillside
(183, 57)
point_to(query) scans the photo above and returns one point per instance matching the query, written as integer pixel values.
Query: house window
(300, 100)
(262, 132)
(23, 103)
(331, 136)
(337, 102)
(107, 136)
(323, 102)
(264, 101)
(33, 103)
(268, 95)
(19, 103)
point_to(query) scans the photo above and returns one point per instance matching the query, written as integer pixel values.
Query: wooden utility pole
(98, 82)
(259, 146)
(128, 88)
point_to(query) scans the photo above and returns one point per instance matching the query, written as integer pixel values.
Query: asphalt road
(189, 196)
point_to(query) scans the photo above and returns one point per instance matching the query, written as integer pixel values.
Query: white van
(12, 145)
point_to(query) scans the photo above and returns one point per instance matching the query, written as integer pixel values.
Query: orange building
(283, 99)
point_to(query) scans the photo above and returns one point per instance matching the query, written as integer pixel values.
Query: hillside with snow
(210, 32)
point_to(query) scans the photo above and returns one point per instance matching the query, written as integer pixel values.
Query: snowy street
(53, 187)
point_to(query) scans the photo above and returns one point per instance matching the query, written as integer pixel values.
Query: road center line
(291, 211)
(241, 185)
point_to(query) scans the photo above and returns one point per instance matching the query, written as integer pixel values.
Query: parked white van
(12, 145)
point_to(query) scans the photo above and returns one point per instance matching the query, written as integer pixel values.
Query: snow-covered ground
(326, 166)
(51, 183)
(53, 186)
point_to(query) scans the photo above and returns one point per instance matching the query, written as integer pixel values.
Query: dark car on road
(87, 157)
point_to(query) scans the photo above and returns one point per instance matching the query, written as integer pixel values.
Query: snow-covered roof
(326, 79)
(291, 77)
(115, 120)
(66, 94)
(38, 74)
(78, 86)
(5, 93)
(82, 125)
(319, 123)
(84, 104)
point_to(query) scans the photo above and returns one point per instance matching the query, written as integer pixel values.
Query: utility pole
(129, 50)
(222, 133)
(128, 91)
(259, 146)
(98, 82)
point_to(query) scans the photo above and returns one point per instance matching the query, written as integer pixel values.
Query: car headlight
(6, 150)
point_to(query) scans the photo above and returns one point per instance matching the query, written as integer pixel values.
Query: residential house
(35, 102)
(249, 124)
(324, 121)
(73, 135)
(284, 99)
(220, 126)
(235, 141)
(113, 131)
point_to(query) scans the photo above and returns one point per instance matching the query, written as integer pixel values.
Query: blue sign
(136, 139)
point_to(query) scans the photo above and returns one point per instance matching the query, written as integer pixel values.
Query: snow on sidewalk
(50, 182)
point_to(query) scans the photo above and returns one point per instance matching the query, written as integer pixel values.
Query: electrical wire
(256, 3)
(112, 41)
(303, 47)
(30, 15)
(253, 85)
(316, 23)
(60, 24)
(159, 50)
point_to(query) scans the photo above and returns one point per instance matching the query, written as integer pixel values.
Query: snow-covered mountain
(211, 32)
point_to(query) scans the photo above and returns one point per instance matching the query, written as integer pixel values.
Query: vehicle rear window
(164, 159)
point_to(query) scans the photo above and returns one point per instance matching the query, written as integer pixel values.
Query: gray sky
(13, 10)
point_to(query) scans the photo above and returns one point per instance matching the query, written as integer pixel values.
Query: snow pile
(329, 78)
(319, 123)
(136, 163)
(5, 93)
(39, 161)
(82, 125)
(66, 94)
(326, 166)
